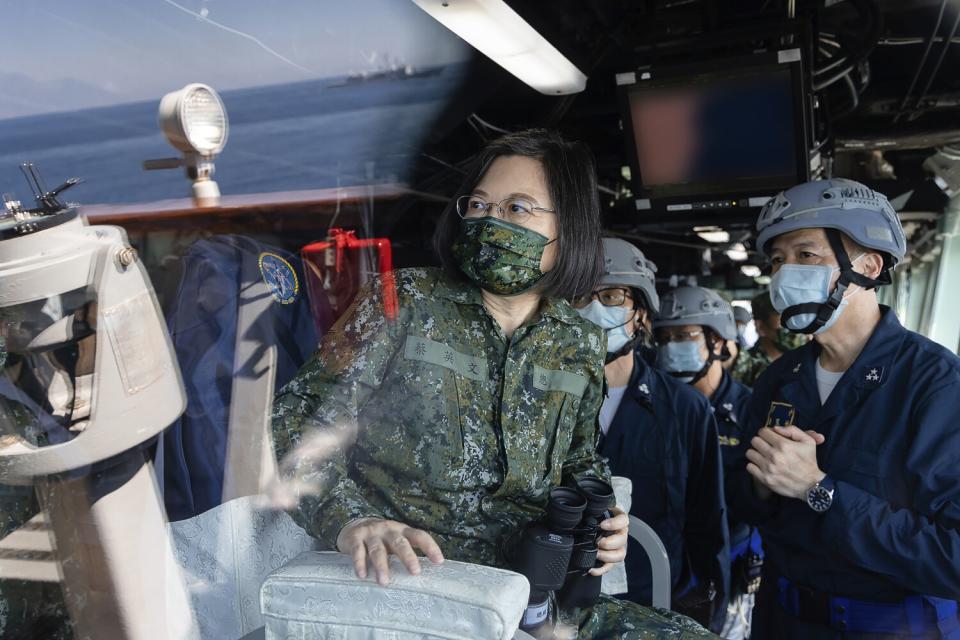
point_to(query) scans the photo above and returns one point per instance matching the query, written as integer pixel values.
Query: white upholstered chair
(253, 572)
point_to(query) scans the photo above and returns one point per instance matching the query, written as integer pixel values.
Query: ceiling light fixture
(498, 32)
(737, 252)
(713, 235)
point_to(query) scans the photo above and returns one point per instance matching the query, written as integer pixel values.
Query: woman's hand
(613, 548)
(373, 539)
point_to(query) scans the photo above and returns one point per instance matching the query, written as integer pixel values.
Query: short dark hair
(571, 175)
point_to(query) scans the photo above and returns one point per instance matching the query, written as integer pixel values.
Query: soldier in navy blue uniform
(694, 329)
(852, 469)
(660, 434)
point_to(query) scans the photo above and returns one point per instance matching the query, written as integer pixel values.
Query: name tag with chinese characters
(426, 350)
(557, 380)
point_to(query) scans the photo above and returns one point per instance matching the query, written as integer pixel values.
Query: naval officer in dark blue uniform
(853, 467)
(660, 434)
(694, 329)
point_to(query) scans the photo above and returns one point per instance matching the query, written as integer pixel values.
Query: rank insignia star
(873, 375)
(644, 389)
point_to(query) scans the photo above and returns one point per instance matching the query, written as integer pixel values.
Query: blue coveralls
(664, 439)
(730, 402)
(892, 534)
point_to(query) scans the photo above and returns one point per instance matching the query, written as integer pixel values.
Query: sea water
(308, 135)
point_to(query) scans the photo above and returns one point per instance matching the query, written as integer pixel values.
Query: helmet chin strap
(625, 349)
(631, 344)
(697, 376)
(824, 310)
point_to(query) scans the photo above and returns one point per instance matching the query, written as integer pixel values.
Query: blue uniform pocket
(659, 490)
(860, 468)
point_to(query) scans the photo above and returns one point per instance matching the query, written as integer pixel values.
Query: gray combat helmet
(742, 315)
(865, 215)
(624, 264)
(839, 207)
(697, 305)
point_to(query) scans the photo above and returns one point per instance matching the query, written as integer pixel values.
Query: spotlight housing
(195, 123)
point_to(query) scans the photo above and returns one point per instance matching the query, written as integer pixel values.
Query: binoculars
(558, 551)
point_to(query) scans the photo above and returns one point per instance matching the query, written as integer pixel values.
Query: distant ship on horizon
(394, 69)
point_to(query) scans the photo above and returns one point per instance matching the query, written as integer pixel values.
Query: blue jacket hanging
(203, 325)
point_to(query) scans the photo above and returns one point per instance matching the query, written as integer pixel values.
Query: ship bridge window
(191, 312)
(320, 95)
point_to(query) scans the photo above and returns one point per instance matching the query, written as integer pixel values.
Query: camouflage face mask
(498, 256)
(787, 340)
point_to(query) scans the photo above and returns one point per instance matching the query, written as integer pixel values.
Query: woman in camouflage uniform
(444, 429)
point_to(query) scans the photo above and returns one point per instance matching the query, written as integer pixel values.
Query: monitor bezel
(728, 198)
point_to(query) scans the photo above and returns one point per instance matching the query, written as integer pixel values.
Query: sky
(62, 55)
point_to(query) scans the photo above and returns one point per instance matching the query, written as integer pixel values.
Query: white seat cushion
(318, 597)
(225, 554)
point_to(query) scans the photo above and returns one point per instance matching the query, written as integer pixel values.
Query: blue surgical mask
(613, 320)
(796, 284)
(677, 357)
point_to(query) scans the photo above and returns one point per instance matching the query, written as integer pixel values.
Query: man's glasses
(675, 335)
(610, 297)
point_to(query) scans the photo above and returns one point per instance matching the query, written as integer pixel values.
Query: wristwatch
(820, 495)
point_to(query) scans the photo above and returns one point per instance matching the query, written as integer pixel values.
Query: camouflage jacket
(750, 364)
(439, 421)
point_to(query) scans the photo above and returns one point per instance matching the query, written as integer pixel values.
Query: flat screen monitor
(728, 135)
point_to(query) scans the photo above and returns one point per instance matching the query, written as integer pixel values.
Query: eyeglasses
(516, 210)
(675, 335)
(610, 297)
